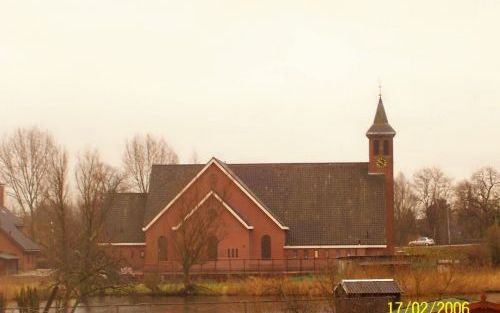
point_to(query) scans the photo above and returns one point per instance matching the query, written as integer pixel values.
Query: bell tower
(381, 162)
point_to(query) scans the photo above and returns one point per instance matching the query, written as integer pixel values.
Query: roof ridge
(271, 163)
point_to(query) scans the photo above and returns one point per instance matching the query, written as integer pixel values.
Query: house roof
(166, 181)
(125, 218)
(321, 203)
(369, 286)
(9, 224)
(380, 124)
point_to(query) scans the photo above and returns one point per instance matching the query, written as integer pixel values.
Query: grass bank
(11, 285)
(417, 282)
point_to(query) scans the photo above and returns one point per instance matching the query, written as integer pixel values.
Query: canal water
(213, 304)
(197, 304)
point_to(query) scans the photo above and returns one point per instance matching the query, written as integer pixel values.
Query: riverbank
(416, 283)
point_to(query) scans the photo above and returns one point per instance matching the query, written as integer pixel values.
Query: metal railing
(248, 266)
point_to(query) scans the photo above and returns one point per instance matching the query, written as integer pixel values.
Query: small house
(17, 251)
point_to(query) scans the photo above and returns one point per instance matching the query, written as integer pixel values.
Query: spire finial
(379, 89)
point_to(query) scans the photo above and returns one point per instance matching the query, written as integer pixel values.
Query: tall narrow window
(213, 244)
(162, 248)
(386, 147)
(265, 247)
(376, 148)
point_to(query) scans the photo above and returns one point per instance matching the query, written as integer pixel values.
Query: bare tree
(141, 152)
(199, 225)
(59, 247)
(433, 191)
(478, 202)
(191, 237)
(92, 269)
(405, 206)
(57, 204)
(24, 159)
(82, 268)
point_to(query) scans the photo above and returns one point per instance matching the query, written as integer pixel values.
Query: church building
(274, 216)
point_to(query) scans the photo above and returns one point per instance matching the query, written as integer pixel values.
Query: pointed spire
(380, 124)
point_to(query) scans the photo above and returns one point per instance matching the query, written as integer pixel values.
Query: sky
(258, 81)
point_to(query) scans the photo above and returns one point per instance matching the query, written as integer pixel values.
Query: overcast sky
(258, 81)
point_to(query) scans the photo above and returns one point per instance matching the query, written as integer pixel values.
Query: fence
(248, 266)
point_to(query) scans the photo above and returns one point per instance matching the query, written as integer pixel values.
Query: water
(194, 304)
(212, 304)
(223, 304)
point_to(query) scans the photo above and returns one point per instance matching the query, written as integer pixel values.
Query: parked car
(422, 241)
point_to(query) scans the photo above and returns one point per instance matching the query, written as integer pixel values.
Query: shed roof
(369, 286)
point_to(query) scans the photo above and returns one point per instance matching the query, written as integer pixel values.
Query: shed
(366, 295)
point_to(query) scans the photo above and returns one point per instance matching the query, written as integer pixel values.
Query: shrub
(28, 300)
(152, 282)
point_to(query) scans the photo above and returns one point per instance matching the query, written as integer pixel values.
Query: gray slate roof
(9, 224)
(369, 286)
(321, 203)
(125, 218)
(380, 124)
(165, 182)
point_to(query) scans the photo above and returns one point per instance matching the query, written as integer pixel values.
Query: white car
(422, 241)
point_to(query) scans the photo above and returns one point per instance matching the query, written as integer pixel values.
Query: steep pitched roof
(380, 124)
(165, 182)
(227, 171)
(9, 223)
(321, 203)
(125, 217)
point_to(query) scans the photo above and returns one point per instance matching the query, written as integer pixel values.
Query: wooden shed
(365, 295)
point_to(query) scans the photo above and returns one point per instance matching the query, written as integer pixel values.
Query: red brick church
(275, 216)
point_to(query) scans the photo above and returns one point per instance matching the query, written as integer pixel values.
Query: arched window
(162, 249)
(376, 148)
(212, 248)
(386, 147)
(265, 247)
